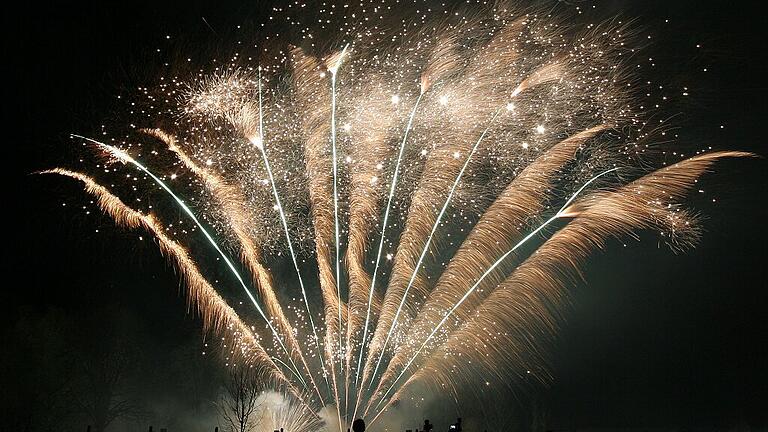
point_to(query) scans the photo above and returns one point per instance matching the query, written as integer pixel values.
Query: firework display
(384, 195)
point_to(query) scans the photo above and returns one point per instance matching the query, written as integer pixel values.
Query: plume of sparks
(475, 159)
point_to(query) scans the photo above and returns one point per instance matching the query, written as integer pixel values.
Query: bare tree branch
(239, 403)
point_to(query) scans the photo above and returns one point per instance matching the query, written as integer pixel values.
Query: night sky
(655, 339)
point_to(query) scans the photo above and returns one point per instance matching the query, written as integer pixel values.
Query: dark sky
(656, 339)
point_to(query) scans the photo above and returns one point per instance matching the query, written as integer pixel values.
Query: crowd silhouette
(359, 426)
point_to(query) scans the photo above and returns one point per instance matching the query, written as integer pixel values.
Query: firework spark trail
(496, 231)
(548, 72)
(469, 292)
(122, 155)
(260, 144)
(231, 201)
(334, 69)
(315, 127)
(420, 215)
(310, 92)
(500, 224)
(529, 297)
(383, 232)
(431, 234)
(216, 314)
(365, 201)
(364, 198)
(378, 255)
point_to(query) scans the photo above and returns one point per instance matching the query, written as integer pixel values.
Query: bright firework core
(393, 208)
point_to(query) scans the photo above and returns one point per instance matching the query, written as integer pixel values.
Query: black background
(656, 339)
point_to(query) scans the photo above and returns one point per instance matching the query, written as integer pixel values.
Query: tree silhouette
(105, 397)
(108, 358)
(239, 404)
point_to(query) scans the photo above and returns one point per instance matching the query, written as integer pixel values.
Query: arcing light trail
(429, 240)
(455, 220)
(259, 143)
(334, 69)
(392, 188)
(122, 155)
(490, 269)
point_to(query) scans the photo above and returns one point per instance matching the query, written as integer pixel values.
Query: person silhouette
(427, 426)
(358, 425)
(458, 425)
